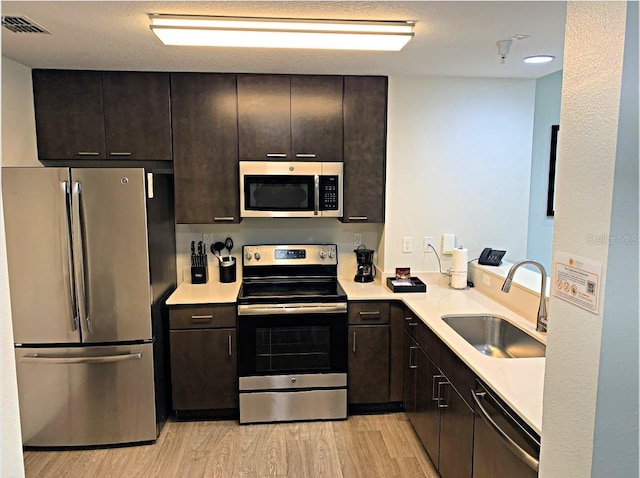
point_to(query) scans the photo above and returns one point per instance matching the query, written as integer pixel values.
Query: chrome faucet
(541, 325)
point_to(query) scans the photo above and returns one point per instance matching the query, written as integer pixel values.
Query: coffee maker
(366, 271)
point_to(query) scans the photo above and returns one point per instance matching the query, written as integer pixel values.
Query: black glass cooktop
(291, 291)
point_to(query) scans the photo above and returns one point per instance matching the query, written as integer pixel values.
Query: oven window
(279, 193)
(293, 348)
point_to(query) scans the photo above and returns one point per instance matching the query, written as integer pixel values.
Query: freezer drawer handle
(61, 359)
(525, 457)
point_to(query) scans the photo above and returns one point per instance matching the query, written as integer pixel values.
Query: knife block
(200, 274)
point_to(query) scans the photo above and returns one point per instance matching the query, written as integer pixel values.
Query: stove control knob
(257, 256)
(248, 256)
(323, 254)
(332, 254)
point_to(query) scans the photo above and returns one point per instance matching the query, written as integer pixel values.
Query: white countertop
(519, 382)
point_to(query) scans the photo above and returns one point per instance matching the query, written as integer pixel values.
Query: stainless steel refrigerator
(91, 256)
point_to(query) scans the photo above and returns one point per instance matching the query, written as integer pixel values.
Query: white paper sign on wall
(577, 280)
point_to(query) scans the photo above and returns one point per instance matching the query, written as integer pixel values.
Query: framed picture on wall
(553, 156)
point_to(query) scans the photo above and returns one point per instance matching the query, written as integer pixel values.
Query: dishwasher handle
(516, 449)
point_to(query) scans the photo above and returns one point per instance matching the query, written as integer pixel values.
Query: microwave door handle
(316, 183)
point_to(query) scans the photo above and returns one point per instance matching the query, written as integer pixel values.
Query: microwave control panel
(328, 193)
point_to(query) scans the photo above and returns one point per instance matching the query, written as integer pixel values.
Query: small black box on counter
(199, 274)
(412, 284)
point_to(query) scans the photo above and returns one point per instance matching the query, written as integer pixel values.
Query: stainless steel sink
(495, 336)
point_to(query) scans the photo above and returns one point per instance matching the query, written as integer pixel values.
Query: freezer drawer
(80, 396)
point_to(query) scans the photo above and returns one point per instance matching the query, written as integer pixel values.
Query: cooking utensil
(228, 244)
(216, 248)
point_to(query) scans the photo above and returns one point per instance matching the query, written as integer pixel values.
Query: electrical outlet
(407, 244)
(428, 240)
(357, 239)
(486, 279)
(207, 239)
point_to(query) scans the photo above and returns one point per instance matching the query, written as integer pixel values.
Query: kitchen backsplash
(278, 231)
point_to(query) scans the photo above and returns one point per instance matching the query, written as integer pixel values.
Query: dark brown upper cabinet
(365, 140)
(290, 117)
(264, 117)
(69, 114)
(205, 144)
(102, 115)
(316, 118)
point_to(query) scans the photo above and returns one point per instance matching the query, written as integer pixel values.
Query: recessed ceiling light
(198, 30)
(539, 59)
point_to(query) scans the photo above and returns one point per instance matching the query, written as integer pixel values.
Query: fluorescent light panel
(281, 33)
(539, 59)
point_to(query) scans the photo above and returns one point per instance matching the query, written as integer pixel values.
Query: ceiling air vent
(22, 24)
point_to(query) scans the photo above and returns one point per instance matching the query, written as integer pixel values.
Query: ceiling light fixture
(537, 59)
(197, 30)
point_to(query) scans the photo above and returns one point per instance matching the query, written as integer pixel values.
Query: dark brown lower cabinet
(441, 418)
(456, 434)
(368, 364)
(425, 414)
(203, 369)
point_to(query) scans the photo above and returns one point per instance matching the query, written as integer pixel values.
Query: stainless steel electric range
(292, 334)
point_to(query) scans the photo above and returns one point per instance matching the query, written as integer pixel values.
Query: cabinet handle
(411, 365)
(305, 155)
(88, 153)
(434, 397)
(372, 313)
(120, 154)
(358, 218)
(224, 218)
(205, 318)
(354, 341)
(276, 155)
(408, 318)
(230, 349)
(413, 324)
(440, 397)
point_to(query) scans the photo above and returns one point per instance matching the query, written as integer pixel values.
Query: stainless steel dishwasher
(503, 445)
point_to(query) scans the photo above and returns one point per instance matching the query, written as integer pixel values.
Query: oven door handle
(279, 309)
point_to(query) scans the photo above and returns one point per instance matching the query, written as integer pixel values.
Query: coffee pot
(366, 271)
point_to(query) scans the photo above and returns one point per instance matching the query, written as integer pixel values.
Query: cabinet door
(456, 435)
(409, 376)
(69, 114)
(365, 139)
(137, 115)
(396, 351)
(316, 118)
(368, 364)
(427, 414)
(264, 117)
(205, 143)
(203, 369)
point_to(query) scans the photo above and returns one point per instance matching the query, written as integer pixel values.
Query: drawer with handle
(202, 317)
(369, 312)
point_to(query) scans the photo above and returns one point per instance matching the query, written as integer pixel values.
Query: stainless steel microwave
(290, 189)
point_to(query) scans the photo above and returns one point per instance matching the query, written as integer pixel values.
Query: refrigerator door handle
(71, 291)
(81, 292)
(63, 359)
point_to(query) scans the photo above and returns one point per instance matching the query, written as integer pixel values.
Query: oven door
(292, 343)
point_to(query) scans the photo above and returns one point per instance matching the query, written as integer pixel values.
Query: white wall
(18, 117)
(547, 113)
(590, 113)
(458, 161)
(17, 137)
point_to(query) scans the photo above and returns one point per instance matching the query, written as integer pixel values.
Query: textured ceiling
(451, 38)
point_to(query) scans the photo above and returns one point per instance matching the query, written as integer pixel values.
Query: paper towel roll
(459, 268)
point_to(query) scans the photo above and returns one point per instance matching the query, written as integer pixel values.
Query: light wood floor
(362, 446)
